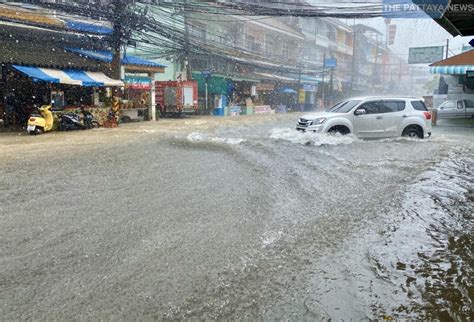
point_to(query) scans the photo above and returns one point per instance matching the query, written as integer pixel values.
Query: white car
(372, 117)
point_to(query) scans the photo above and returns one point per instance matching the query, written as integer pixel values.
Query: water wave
(201, 137)
(310, 138)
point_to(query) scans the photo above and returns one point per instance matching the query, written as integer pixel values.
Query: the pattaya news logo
(423, 8)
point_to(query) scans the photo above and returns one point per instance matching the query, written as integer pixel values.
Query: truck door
(460, 111)
(447, 110)
(469, 107)
(188, 99)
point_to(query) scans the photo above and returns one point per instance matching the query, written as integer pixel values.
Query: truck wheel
(413, 131)
(125, 119)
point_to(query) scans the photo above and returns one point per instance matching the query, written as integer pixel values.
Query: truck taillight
(427, 115)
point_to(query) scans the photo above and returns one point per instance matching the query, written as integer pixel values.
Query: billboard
(425, 55)
(330, 62)
(392, 30)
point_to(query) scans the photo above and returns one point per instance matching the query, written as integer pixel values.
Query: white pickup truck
(456, 109)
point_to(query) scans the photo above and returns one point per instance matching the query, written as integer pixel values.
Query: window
(269, 47)
(286, 51)
(449, 105)
(460, 106)
(374, 107)
(392, 106)
(198, 31)
(419, 106)
(249, 42)
(343, 107)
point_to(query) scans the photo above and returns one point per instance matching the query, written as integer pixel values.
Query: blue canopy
(84, 78)
(88, 27)
(106, 56)
(68, 76)
(37, 74)
(286, 90)
(452, 69)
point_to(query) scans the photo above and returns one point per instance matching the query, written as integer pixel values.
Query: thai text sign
(425, 55)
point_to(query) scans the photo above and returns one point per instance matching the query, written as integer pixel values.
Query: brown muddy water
(237, 218)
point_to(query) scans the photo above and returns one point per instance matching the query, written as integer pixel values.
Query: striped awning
(452, 70)
(69, 76)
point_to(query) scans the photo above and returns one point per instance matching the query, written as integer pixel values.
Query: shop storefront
(26, 87)
(218, 89)
(138, 74)
(136, 100)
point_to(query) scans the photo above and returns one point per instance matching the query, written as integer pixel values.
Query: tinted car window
(392, 106)
(344, 107)
(469, 103)
(372, 107)
(419, 106)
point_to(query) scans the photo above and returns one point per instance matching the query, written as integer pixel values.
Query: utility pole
(187, 61)
(119, 10)
(331, 91)
(447, 48)
(374, 72)
(353, 61)
(322, 94)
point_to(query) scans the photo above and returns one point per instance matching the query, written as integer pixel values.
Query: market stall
(136, 101)
(69, 90)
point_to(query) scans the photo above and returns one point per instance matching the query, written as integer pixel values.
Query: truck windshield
(343, 107)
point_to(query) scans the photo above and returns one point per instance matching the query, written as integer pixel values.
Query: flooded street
(235, 218)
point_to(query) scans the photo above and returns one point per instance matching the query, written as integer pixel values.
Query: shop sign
(138, 82)
(301, 96)
(263, 109)
(330, 62)
(253, 90)
(235, 110)
(265, 87)
(309, 88)
(425, 55)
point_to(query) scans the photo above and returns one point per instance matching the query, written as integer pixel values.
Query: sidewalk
(464, 122)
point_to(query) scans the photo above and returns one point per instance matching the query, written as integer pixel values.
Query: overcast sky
(410, 32)
(418, 33)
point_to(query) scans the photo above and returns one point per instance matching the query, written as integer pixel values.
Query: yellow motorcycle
(38, 124)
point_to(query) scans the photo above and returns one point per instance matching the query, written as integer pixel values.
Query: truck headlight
(318, 121)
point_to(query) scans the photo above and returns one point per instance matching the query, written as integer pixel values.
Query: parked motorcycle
(72, 121)
(40, 123)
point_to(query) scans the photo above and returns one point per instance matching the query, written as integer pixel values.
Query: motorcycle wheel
(94, 125)
(38, 131)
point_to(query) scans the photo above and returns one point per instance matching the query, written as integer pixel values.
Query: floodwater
(210, 218)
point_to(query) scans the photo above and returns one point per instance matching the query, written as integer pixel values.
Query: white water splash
(200, 137)
(270, 237)
(310, 138)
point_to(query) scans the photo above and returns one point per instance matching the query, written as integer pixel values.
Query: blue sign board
(330, 62)
(206, 73)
